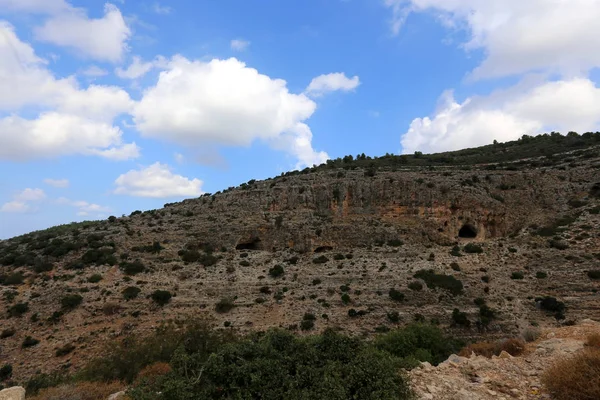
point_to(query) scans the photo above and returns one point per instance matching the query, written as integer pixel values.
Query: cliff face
(307, 212)
(348, 231)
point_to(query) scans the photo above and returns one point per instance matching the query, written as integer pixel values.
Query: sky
(107, 108)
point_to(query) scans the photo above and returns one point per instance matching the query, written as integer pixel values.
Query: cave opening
(254, 244)
(468, 231)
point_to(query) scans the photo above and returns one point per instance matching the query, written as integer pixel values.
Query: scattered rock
(117, 396)
(13, 393)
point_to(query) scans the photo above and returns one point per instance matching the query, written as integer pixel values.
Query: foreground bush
(279, 365)
(418, 342)
(124, 359)
(575, 378)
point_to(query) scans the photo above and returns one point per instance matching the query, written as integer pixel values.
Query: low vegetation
(576, 377)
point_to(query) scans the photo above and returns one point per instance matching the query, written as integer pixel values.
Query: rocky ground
(503, 377)
(333, 233)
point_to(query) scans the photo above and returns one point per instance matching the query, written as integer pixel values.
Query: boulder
(13, 393)
(117, 396)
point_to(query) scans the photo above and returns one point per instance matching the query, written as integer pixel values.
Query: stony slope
(359, 231)
(504, 377)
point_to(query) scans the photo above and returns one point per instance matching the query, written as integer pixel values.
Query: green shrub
(8, 332)
(460, 318)
(161, 297)
(267, 367)
(594, 274)
(456, 251)
(320, 260)
(95, 278)
(18, 309)
(102, 256)
(418, 342)
(486, 315)
(131, 292)
(541, 275)
(345, 298)
(29, 342)
(455, 267)
(394, 316)
(5, 372)
(276, 271)
(416, 286)
(63, 351)
(14, 279)
(551, 304)
(132, 268)
(473, 248)
(224, 305)
(446, 282)
(71, 301)
(396, 295)
(517, 275)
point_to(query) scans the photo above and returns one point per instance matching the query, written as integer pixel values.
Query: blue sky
(106, 108)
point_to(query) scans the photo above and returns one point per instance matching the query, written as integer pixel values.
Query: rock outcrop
(13, 393)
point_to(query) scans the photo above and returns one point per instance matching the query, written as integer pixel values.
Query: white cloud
(84, 208)
(31, 195)
(527, 108)
(102, 39)
(161, 10)
(139, 68)
(21, 201)
(517, 36)
(224, 102)
(157, 181)
(15, 207)
(71, 120)
(239, 44)
(179, 158)
(35, 6)
(54, 134)
(57, 183)
(332, 82)
(94, 71)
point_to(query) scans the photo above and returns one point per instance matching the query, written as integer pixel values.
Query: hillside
(483, 242)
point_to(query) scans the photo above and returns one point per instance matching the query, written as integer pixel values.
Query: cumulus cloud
(71, 120)
(84, 208)
(21, 202)
(157, 181)
(102, 38)
(528, 108)
(161, 10)
(224, 102)
(332, 82)
(35, 6)
(57, 183)
(31, 195)
(15, 207)
(519, 36)
(239, 44)
(138, 68)
(94, 71)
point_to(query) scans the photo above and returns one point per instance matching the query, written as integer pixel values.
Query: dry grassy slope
(332, 213)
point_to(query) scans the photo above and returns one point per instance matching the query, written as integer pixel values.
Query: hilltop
(483, 242)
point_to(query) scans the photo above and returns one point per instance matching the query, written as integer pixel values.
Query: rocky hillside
(484, 241)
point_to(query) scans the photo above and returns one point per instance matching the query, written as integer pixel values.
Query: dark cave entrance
(254, 244)
(468, 231)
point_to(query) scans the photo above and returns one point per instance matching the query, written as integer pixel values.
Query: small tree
(161, 297)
